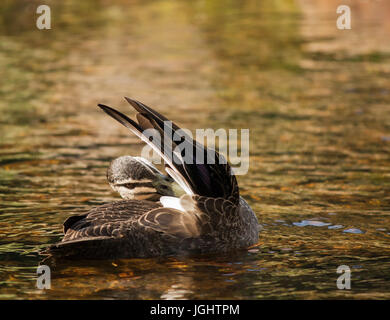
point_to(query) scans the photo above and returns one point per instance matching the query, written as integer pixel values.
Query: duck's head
(135, 178)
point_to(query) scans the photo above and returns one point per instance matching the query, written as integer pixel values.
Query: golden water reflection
(316, 101)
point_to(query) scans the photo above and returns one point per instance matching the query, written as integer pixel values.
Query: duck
(195, 209)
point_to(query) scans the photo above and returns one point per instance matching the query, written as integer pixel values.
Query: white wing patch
(171, 202)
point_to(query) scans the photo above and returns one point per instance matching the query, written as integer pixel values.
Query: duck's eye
(164, 187)
(129, 185)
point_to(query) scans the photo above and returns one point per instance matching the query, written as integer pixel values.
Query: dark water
(316, 100)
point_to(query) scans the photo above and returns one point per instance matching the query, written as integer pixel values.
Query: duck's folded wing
(111, 234)
(118, 211)
(169, 222)
(107, 219)
(102, 227)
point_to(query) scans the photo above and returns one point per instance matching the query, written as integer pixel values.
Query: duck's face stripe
(143, 190)
(132, 181)
(135, 189)
(135, 185)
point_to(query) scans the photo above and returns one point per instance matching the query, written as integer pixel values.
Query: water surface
(316, 101)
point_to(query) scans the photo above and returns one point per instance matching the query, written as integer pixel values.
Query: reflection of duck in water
(209, 217)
